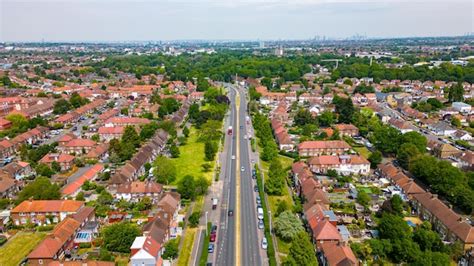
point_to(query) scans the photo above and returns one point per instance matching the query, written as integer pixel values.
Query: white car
(264, 243)
(242, 169)
(233, 157)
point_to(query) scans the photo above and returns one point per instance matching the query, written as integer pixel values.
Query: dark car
(230, 213)
(255, 188)
(214, 228)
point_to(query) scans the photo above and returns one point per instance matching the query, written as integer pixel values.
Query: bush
(45, 228)
(194, 219)
(85, 245)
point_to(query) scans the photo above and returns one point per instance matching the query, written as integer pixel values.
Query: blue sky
(141, 20)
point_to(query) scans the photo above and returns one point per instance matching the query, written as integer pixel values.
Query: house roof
(139, 187)
(447, 216)
(338, 254)
(326, 231)
(51, 245)
(48, 206)
(319, 144)
(88, 175)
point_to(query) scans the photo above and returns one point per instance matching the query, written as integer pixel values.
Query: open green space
(191, 158)
(17, 248)
(363, 151)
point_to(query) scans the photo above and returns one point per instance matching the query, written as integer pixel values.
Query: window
(40, 262)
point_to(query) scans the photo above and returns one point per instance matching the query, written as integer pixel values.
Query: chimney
(434, 196)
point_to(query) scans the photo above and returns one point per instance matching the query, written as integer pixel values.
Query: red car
(213, 237)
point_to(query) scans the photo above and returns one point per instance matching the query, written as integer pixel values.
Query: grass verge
(191, 159)
(205, 252)
(18, 247)
(185, 252)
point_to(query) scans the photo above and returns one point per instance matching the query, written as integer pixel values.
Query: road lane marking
(237, 185)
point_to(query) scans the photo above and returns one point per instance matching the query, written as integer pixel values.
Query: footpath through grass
(191, 159)
(18, 247)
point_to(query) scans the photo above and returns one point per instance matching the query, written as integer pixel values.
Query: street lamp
(270, 216)
(206, 222)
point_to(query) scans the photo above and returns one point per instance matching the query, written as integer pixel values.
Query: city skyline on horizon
(258, 20)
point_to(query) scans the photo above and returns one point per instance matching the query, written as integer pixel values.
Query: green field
(363, 151)
(191, 158)
(17, 248)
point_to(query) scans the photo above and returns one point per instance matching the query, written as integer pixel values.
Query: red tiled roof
(88, 175)
(48, 206)
(330, 144)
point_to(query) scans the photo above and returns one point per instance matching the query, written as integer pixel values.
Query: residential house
(9, 187)
(145, 251)
(336, 254)
(343, 164)
(71, 189)
(65, 161)
(19, 170)
(5, 124)
(316, 148)
(347, 130)
(401, 125)
(442, 129)
(136, 190)
(109, 133)
(42, 212)
(78, 146)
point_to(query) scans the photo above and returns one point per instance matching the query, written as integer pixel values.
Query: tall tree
(301, 252)
(276, 178)
(119, 237)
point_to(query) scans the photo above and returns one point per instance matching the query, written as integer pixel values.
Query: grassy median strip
(205, 252)
(266, 219)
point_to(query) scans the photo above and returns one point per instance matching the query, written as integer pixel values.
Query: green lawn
(363, 151)
(191, 158)
(17, 248)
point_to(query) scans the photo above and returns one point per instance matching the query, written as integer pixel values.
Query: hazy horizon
(229, 20)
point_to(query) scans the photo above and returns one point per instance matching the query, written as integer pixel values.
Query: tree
(55, 167)
(301, 252)
(19, 122)
(171, 249)
(148, 130)
(270, 151)
(386, 139)
(406, 153)
(281, 207)
(119, 237)
(186, 131)
(363, 198)
(80, 196)
(456, 93)
(456, 122)
(210, 149)
(345, 109)
(186, 187)
(193, 112)
(393, 227)
(40, 189)
(375, 158)
(44, 170)
(61, 107)
(288, 225)
(416, 139)
(164, 170)
(427, 239)
(326, 119)
(130, 136)
(211, 130)
(276, 178)
(77, 101)
(201, 185)
(194, 219)
(174, 150)
(303, 117)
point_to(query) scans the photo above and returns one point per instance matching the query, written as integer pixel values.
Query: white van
(260, 213)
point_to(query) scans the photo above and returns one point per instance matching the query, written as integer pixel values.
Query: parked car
(255, 188)
(210, 248)
(230, 213)
(264, 243)
(260, 224)
(212, 238)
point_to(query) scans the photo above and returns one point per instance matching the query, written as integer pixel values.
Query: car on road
(214, 228)
(233, 157)
(260, 213)
(264, 243)
(255, 188)
(230, 213)
(242, 169)
(260, 224)
(212, 238)
(210, 248)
